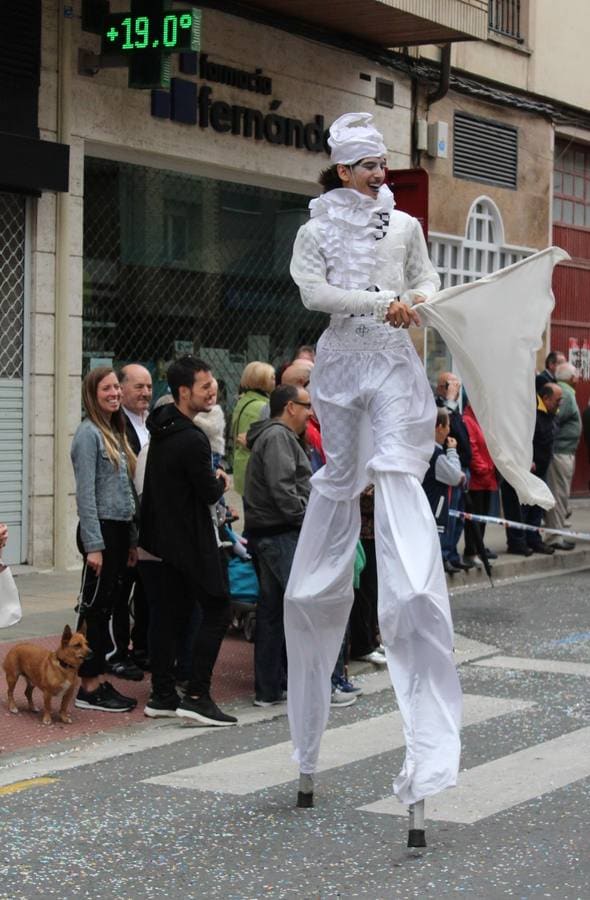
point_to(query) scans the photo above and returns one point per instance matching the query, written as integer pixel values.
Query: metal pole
(62, 296)
(416, 836)
(305, 792)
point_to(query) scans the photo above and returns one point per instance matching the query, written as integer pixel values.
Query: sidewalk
(48, 600)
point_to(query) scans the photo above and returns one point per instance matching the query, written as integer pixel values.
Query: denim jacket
(102, 491)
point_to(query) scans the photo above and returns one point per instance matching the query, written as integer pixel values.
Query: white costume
(377, 415)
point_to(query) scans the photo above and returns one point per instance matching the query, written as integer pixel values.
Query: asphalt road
(195, 813)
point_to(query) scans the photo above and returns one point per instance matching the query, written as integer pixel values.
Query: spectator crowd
(162, 562)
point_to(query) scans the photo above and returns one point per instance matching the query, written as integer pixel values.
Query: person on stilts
(367, 265)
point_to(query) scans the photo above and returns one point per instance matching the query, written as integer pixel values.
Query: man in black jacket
(553, 359)
(549, 398)
(176, 528)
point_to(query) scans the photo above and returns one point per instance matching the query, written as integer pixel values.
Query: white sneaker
(377, 658)
(339, 698)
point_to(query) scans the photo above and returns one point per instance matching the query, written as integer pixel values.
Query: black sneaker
(101, 700)
(125, 668)
(111, 691)
(141, 660)
(161, 707)
(203, 710)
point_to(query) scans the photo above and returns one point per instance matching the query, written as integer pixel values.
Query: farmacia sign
(192, 104)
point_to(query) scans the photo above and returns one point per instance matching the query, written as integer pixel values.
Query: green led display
(168, 32)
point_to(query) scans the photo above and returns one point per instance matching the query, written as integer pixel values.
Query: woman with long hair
(256, 384)
(107, 535)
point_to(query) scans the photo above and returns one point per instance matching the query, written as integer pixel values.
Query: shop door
(12, 374)
(570, 322)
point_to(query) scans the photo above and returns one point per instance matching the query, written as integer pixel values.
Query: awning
(388, 23)
(31, 166)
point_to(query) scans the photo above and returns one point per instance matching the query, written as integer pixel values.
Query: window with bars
(504, 17)
(571, 185)
(462, 260)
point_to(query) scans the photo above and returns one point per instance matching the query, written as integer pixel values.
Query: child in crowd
(443, 472)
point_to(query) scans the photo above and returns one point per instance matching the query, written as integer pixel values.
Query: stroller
(243, 592)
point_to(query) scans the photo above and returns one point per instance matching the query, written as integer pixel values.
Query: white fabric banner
(493, 328)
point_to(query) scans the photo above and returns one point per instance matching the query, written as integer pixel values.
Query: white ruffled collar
(349, 205)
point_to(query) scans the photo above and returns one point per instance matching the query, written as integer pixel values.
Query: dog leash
(81, 605)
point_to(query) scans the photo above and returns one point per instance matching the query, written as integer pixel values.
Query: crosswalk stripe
(555, 666)
(503, 783)
(255, 770)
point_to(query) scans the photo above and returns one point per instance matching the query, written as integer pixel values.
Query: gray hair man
(561, 468)
(275, 499)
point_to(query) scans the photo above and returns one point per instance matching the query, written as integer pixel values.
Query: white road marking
(246, 773)
(467, 649)
(555, 666)
(503, 783)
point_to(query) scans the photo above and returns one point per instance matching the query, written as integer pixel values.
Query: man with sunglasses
(275, 498)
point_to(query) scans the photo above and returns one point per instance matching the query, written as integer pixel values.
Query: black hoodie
(178, 489)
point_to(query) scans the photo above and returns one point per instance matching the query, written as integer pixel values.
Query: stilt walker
(367, 265)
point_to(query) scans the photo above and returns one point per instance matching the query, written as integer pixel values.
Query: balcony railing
(504, 18)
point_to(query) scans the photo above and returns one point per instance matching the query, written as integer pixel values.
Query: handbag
(10, 608)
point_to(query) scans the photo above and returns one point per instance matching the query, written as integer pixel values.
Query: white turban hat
(353, 136)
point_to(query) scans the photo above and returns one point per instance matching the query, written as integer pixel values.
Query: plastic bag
(10, 608)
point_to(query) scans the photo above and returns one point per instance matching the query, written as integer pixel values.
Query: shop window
(176, 262)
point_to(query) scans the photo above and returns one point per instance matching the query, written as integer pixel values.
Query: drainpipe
(61, 457)
(445, 76)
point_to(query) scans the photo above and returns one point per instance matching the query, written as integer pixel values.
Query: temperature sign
(166, 32)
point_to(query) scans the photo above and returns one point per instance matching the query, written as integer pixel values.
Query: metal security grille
(12, 263)
(504, 18)
(12, 432)
(485, 151)
(177, 264)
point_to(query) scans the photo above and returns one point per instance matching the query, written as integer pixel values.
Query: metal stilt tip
(416, 836)
(305, 792)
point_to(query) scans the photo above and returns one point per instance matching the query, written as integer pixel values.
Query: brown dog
(55, 673)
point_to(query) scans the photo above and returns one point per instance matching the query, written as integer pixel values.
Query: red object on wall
(410, 189)
(570, 325)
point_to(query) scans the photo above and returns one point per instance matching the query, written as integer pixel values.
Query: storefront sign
(192, 104)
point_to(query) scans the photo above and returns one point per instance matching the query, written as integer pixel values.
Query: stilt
(416, 837)
(305, 792)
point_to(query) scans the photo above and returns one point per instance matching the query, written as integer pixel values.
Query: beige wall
(552, 61)
(525, 212)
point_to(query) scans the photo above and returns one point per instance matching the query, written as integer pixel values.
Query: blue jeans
(454, 529)
(274, 556)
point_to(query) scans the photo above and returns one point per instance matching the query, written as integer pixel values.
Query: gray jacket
(277, 479)
(102, 492)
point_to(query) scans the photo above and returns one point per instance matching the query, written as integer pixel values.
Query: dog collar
(65, 665)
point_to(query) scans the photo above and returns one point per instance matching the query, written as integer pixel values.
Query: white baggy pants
(377, 416)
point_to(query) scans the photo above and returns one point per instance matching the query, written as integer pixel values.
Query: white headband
(353, 137)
